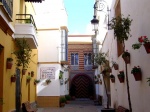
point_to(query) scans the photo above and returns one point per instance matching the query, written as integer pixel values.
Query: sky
(80, 13)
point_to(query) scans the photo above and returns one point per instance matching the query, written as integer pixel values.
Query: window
(118, 13)
(74, 59)
(64, 47)
(87, 59)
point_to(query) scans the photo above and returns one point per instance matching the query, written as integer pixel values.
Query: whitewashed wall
(49, 46)
(139, 90)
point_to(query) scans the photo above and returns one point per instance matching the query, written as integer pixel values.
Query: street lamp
(99, 6)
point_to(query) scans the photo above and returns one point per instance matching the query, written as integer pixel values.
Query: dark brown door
(82, 87)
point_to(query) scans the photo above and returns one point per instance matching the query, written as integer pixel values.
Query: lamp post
(100, 6)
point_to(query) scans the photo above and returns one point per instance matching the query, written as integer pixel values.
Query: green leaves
(23, 53)
(100, 58)
(121, 27)
(136, 46)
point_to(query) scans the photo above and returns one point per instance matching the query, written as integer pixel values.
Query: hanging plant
(121, 27)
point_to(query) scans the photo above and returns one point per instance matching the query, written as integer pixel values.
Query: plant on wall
(143, 40)
(148, 80)
(122, 30)
(100, 58)
(121, 27)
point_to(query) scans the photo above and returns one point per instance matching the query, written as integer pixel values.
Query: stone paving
(78, 105)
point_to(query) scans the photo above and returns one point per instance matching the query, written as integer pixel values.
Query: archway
(82, 86)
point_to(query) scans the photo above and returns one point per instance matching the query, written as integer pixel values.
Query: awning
(34, 1)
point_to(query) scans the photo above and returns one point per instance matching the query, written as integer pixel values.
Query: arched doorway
(82, 86)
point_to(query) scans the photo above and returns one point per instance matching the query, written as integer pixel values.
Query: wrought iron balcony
(88, 67)
(7, 6)
(25, 28)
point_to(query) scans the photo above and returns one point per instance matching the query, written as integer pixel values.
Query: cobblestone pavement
(78, 105)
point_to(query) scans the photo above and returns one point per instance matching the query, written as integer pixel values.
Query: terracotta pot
(24, 71)
(67, 102)
(116, 66)
(147, 47)
(32, 74)
(121, 79)
(13, 79)
(127, 59)
(28, 80)
(137, 76)
(62, 104)
(9, 65)
(112, 80)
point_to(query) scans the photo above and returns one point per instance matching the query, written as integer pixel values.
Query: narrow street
(78, 105)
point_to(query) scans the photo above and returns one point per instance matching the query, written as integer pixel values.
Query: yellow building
(16, 21)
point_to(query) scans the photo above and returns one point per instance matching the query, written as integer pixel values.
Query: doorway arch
(82, 86)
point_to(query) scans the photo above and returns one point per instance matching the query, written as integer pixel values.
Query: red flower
(140, 39)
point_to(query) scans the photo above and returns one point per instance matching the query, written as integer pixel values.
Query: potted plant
(143, 40)
(121, 76)
(13, 78)
(100, 58)
(126, 56)
(32, 73)
(61, 77)
(36, 81)
(62, 101)
(112, 78)
(136, 71)
(68, 98)
(121, 27)
(148, 80)
(23, 54)
(28, 78)
(115, 65)
(9, 63)
(47, 81)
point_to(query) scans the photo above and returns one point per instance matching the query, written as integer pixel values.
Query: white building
(52, 52)
(139, 90)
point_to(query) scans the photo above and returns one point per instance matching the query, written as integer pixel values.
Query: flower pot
(24, 71)
(112, 80)
(62, 104)
(147, 47)
(32, 74)
(137, 76)
(121, 79)
(28, 80)
(116, 66)
(13, 79)
(126, 59)
(9, 65)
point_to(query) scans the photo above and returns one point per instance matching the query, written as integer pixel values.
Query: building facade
(139, 90)
(80, 51)
(52, 53)
(14, 15)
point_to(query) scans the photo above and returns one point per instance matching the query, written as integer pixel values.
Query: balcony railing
(34, 1)
(88, 67)
(25, 19)
(8, 5)
(74, 67)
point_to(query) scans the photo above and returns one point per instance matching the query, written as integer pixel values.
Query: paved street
(78, 105)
